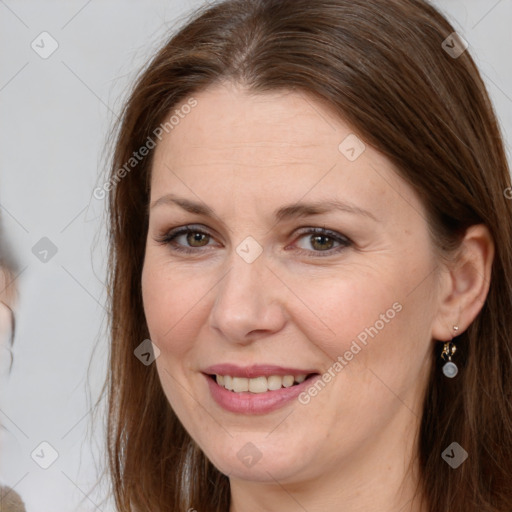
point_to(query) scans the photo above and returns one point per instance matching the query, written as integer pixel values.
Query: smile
(258, 384)
(257, 395)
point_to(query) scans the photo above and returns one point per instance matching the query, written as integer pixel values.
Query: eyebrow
(296, 210)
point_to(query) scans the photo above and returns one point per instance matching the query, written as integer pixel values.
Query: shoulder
(10, 500)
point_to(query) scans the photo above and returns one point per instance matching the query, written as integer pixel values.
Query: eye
(323, 239)
(193, 236)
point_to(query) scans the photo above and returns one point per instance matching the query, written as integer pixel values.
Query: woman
(309, 221)
(10, 501)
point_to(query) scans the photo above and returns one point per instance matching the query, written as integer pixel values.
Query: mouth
(257, 394)
(259, 384)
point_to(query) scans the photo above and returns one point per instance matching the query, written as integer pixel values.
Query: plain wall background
(55, 114)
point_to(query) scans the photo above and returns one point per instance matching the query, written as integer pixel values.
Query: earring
(450, 368)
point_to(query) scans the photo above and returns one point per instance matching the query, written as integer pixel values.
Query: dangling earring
(450, 368)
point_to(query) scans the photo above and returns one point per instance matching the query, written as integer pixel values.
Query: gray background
(55, 115)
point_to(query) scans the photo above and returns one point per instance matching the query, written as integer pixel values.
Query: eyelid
(168, 237)
(324, 231)
(343, 240)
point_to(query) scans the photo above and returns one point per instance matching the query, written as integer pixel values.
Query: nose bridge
(244, 302)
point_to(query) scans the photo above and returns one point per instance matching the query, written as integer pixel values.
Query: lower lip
(256, 403)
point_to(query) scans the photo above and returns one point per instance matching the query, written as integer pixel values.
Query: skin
(7, 299)
(245, 155)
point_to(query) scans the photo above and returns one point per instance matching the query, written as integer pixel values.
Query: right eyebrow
(289, 211)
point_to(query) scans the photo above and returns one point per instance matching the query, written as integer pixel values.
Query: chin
(243, 460)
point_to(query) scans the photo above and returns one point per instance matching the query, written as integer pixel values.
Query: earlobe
(467, 284)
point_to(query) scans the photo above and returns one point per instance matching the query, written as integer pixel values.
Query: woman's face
(263, 295)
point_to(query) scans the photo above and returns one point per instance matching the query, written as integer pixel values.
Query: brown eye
(191, 239)
(322, 242)
(196, 238)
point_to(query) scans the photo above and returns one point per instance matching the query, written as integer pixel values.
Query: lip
(256, 403)
(258, 370)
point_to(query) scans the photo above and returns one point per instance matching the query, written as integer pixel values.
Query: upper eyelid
(199, 228)
(185, 229)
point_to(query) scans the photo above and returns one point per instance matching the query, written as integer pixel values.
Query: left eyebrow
(286, 212)
(319, 207)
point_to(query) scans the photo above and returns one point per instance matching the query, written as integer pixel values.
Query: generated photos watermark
(143, 151)
(355, 348)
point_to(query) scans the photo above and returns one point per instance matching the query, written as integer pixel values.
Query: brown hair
(380, 65)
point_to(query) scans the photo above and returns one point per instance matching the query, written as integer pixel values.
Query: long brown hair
(381, 65)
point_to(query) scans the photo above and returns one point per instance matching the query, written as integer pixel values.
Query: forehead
(271, 127)
(272, 146)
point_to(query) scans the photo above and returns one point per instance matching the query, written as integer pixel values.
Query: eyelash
(169, 237)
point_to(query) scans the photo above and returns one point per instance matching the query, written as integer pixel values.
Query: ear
(464, 285)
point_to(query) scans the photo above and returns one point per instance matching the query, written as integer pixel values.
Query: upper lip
(257, 370)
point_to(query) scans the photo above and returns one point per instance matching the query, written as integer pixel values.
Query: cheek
(366, 315)
(367, 321)
(167, 307)
(172, 301)
(334, 310)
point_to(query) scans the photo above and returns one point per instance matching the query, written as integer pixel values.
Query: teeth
(240, 384)
(258, 384)
(274, 382)
(288, 381)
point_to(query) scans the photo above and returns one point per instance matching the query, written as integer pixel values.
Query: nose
(248, 303)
